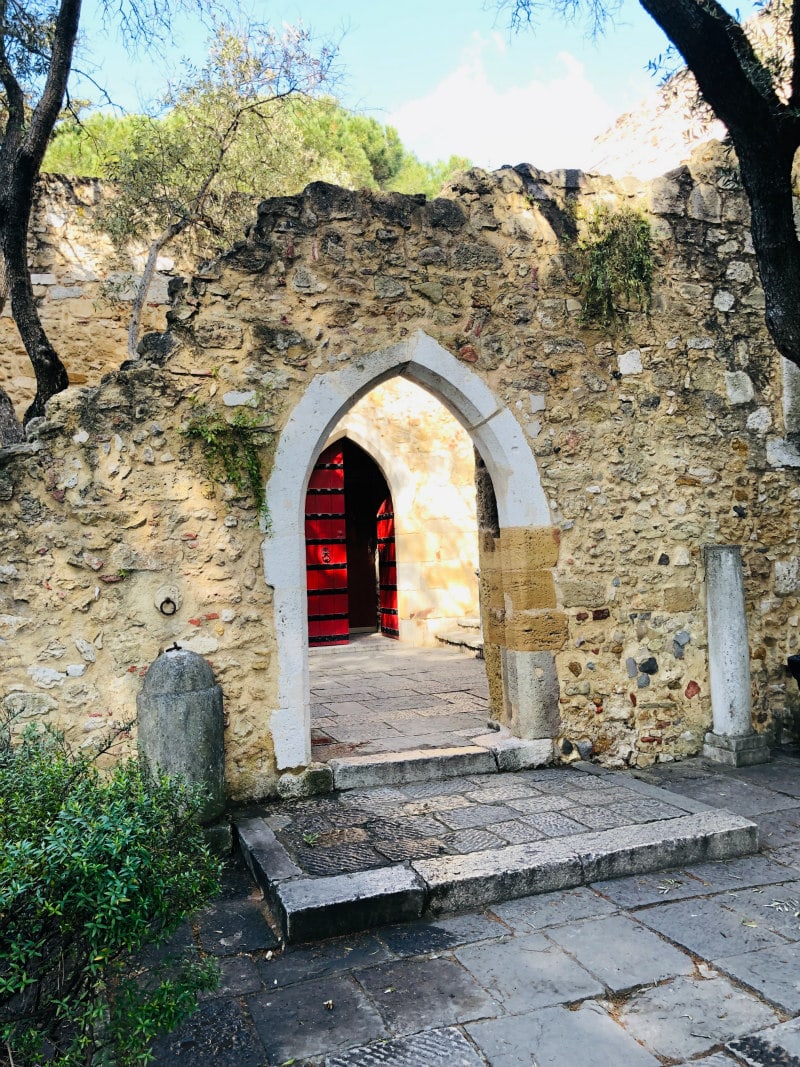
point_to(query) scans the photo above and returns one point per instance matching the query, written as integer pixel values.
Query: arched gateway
(523, 624)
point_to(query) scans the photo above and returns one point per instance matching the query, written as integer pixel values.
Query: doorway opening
(351, 564)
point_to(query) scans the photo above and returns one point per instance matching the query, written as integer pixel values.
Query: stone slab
(528, 972)
(457, 883)
(414, 994)
(314, 1018)
(558, 1037)
(446, 1047)
(776, 1046)
(685, 1017)
(552, 909)
(773, 972)
(706, 928)
(621, 952)
(417, 765)
(266, 858)
(311, 908)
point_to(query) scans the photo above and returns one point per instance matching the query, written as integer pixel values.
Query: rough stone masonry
(673, 431)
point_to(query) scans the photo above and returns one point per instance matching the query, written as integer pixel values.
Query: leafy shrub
(615, 264)
(93, 867)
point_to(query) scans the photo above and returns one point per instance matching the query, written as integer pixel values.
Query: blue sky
(449, 74)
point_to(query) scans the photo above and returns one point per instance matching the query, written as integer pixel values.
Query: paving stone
(773, 972)
(411, 848)
(775, 907)
(735, 795)
(544, 803)
(598, 818)
(419, 825)
(515, 831)
(471, 840)
(620, 952)
(432, 804)
(434, 1048)
(219, 1034)
(777, 1046)
(476, 815)
(313, 1018)
(493, 791)
(788, 855)
(552, 909)
(555, 824)
(415, 994)
(684, 1017)
(718, 1059)
(237, 975)
(339, 859)
(416, 938)
(437, 788)
(301, 962)
(230, 926)
(557, 1037)
(528, 972)
(778, 828)
(706, 928)
(700, 880)
(324, 907)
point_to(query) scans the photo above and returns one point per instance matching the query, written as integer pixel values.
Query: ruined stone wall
(83, 289)
(651, 441)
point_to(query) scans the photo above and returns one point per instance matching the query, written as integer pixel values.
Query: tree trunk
(51, 375)
(135, 323)
(11, 432)
(21, 152)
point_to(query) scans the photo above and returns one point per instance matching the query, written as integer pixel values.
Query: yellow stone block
(529, 589)
(536, 631)
(535, 547)
(680, 598)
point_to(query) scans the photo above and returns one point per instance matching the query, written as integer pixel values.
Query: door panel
(326, 551)
(387, 571)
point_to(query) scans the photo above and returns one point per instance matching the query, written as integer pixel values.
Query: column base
(743, 750)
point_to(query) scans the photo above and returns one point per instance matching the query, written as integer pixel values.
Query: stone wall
(650, 441)
(82, 287)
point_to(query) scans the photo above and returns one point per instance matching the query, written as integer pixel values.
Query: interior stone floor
(378, 695)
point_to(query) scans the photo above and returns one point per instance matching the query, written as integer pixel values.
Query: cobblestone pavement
(697, 966)
(364, 828)
(377, 695)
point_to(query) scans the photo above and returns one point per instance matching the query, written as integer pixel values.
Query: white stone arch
(496, 434)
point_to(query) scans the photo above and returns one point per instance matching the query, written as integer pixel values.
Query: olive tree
(226, 135)
(757, 96)
(37, 50)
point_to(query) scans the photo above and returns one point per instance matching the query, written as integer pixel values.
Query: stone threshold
(487, 754)
(309, 908)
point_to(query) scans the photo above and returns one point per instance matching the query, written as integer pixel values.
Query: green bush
(93, 867)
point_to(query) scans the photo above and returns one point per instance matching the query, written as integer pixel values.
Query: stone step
(462, 638)
(470, 623)
(308, 908)
(488, 754)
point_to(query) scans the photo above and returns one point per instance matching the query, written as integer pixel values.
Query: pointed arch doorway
(351, 563)
(532, 627)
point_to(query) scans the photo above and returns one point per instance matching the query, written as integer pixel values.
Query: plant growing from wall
(614, 264)
(92, 868)
(232, 450)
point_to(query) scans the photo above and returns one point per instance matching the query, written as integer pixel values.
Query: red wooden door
(326, 551)
(387, 570)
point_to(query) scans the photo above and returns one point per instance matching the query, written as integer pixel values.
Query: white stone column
(733, 740)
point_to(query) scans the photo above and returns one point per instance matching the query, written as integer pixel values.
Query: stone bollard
(732, 740)
(180, 724)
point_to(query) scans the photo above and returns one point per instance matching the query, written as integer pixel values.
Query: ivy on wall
(614, 265)
(232, 450)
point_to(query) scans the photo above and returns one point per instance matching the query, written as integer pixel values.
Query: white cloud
(547, 123)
